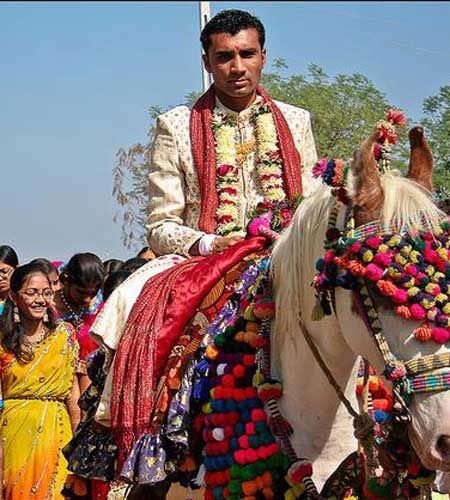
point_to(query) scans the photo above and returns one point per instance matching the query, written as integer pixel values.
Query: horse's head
(400, 249)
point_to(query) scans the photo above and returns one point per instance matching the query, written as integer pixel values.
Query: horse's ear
(421, 159)
(368, 193)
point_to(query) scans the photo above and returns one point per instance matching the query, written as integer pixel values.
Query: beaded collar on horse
(412, 270)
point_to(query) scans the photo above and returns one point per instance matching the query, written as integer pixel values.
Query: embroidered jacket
(174, 205)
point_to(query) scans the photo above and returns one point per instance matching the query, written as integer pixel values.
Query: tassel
(279, 425)
(317, 312)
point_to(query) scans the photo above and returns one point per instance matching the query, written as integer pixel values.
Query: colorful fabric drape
(203, 152)
(35, 425)
(166, 304)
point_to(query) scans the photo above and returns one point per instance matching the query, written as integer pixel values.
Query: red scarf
(204, 155)
(166, 304)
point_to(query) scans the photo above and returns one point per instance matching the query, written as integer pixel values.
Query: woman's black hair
(12, 333)
(113, 281)
(111, 265)
(8, 256)
(45, 264)
(133, 264)
(84, 269)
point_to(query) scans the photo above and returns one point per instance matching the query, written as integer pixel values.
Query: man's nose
(237, 66)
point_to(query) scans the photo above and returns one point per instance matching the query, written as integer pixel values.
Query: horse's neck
(322, 427)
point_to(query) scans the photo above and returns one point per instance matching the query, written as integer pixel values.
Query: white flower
(266, 134)
(225, 146)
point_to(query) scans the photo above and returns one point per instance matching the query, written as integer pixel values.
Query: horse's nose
(443, 447)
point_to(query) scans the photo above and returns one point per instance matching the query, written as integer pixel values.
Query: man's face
(235, 62)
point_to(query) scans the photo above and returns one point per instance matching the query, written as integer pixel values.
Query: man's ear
(264, 56)
(206, 62)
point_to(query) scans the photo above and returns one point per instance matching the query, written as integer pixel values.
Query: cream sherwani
(174, 206)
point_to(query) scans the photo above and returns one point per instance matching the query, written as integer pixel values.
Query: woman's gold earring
(16, 315)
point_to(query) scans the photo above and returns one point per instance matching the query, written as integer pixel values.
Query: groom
(190, 213)
(210, 167)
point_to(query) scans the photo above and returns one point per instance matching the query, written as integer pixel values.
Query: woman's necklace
(77, 317)
(32, 343)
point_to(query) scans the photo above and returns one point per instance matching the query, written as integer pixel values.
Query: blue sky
(77, 79)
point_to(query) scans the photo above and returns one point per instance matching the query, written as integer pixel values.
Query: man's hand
(222, 242)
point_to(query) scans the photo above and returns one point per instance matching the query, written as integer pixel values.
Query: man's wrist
(205, 244)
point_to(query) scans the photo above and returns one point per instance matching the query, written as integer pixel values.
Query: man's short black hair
(231, 21)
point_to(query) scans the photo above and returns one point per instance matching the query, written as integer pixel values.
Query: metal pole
(205, 16)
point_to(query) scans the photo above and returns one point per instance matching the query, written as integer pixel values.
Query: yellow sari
(35, 425)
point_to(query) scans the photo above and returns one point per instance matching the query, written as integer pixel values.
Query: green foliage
(344, 109)
(437, 130)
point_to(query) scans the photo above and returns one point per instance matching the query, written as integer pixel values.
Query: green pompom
(419, 244)
(235, 471)
(220, 340)
(380, 490)
(234, 487)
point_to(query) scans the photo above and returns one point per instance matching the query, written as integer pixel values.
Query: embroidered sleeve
(309, 157)
(167, 232)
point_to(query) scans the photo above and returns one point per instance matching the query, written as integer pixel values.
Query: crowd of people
(49, 367)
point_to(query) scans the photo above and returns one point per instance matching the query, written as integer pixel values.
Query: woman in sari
(37, 379)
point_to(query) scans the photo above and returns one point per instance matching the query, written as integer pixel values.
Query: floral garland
(269, 167)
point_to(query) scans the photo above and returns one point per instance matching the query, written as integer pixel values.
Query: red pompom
(258, 414)
(243, 441)
(250, 428)
(228, 380)
(239, 371)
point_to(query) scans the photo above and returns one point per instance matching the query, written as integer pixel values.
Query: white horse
(322, 428)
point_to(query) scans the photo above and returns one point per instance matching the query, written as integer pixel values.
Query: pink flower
(225, 169)
(229, 190)
(319, 167)
(286, 215)
(257, 222)
(396, 117)
(264, 205)
(274, 156)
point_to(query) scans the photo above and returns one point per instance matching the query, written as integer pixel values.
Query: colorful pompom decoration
(412, 271)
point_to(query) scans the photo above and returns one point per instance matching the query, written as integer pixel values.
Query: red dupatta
(166, 304)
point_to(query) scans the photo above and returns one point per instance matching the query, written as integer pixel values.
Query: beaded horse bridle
(408, 377)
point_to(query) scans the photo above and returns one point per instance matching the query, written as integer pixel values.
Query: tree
(344, 111)
(437, 129)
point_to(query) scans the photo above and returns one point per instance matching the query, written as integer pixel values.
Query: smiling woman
(37, 367)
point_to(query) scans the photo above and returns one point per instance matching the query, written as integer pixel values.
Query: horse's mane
(407, 207)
